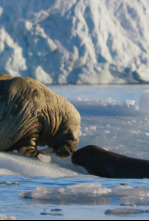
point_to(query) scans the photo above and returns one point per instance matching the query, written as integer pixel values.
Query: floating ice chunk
(88, 192)
(106, 132)
(12, 183)
(130, 191)
(86, 189)
(144, 102)
(134, 201)
(124, 211)
(44, 158)
(82, 192)
(4, 217)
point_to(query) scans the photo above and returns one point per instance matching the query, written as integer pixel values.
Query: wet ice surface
(55, 189)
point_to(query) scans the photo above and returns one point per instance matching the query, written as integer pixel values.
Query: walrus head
(64, 145)
(66, 139)
(61, 124)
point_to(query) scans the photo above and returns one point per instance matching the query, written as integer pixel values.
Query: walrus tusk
(44, 158)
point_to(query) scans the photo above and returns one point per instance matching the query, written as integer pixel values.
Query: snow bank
(15, 164)
(73, 42)
(109, 107)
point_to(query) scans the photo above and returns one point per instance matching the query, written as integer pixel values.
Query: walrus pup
(31, 115)
(100, 162)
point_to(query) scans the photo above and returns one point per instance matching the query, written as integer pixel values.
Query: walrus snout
(65, 151)
(64, 145)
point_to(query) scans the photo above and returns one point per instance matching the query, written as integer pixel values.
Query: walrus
(31, 115)
(99, 162)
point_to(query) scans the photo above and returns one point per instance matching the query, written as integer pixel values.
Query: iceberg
(61, 42)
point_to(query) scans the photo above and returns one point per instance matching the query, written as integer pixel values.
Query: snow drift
(75, 41)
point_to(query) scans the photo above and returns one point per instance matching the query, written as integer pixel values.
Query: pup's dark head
(85, 156)
(92, 158)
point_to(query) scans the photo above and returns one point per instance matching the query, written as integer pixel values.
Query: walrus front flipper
(29, 151)
(27, 146)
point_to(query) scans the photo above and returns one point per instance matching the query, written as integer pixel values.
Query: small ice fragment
(56, 210)
(44, 158)
(12, 183)
(106, 132)
(80, 192)
(134, 201)
(124, 211)
(8, 183)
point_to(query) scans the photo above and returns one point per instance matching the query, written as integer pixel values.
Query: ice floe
(125, 211)
(91, 192)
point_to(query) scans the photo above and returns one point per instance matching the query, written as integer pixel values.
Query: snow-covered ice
(73, 42)
(20, 165)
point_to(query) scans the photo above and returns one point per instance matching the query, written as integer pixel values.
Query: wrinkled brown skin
(32, 115)
(102, 163)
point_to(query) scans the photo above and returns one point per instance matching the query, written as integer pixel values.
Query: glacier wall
(75, 41)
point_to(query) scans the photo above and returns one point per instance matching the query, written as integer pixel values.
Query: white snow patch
(12, 164)
(108, 107)
(42, 76)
